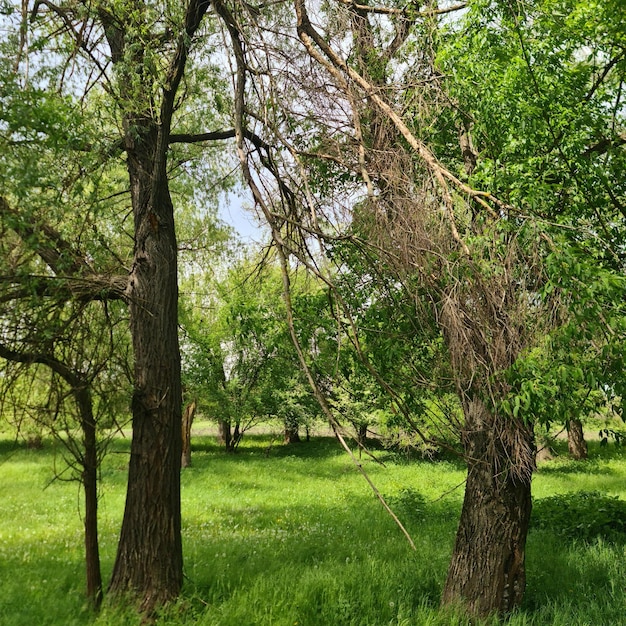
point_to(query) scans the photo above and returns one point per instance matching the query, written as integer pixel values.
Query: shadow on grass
(10, 446)
(573, 572)
(598, 461)
(271, 446)
(319, 459)
(264, 546)
(565, 467)
(317, 448)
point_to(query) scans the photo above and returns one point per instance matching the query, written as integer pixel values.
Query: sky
(239, 213)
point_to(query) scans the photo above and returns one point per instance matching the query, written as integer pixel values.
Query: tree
(133, 59)
(377, 149)
(239, 361)
(84, 453)
(149, 556)
(559, 75)
(59, 294)
(52, 320)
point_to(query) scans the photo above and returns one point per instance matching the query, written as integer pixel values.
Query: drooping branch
(321, 398)
(338, 67)
(279, 241)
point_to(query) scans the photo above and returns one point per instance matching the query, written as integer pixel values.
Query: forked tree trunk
(487, 570)
(576, 444)
(188, 415)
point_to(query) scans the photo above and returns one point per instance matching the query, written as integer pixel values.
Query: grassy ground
(292, 536)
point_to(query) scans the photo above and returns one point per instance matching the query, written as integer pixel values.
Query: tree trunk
(224, 434)
(188, 415)
(149, 561)
(361, 434)
(487, 570)
(87, 458)
(237, 436)
(291, 432)
(90, 485)
(576, 443)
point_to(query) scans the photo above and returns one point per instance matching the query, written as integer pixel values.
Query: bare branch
(31, 358)
(405, 12)
(600, 79)
(321, 398)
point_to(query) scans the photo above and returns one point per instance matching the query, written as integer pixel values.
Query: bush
(582, 515)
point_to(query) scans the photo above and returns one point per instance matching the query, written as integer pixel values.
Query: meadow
(293, 536)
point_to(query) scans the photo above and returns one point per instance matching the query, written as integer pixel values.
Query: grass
(291, 535)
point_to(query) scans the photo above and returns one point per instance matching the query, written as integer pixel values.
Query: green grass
(292, 535)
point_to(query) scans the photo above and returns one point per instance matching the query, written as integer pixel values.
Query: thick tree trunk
(90, 485)
(188, 415)
(149, 558)
(149, 562)
(487, 570)
(576, 443)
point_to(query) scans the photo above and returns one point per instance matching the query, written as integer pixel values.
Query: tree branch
(74, 277)
(406, 12)
(600, 79)
(336, 65)
(32, 358)
(196, 10)
(217, 135)
(92, 288)
(66, 17)
(52, 248)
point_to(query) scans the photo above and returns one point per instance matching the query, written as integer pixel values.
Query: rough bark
(487, 570)
(149, 561)
(576, 444)
(149, 557)
(188, 415)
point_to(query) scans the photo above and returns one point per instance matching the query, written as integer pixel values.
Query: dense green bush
(583, 515)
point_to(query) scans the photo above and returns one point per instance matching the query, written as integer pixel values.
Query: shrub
(582, 515)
